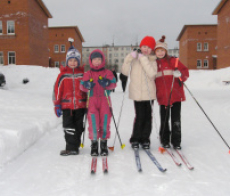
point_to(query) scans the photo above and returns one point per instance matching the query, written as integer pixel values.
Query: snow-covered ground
(31, 138)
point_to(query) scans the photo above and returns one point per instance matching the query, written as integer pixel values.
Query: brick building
(198, 46)
(223, 33)
(23, 32)
(58, 43)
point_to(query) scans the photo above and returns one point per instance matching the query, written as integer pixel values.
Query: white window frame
(1, 58)
(63, 47)
(206, 63)
(200, 62)
(1, 30)
(56, 48)
(11, 57)
(199, 46)
(9, 26)
(56, 63)
(206, 46)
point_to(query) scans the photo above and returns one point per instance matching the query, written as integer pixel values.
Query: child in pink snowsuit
(98, 82)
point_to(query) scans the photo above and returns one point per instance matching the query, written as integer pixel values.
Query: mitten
(89, 84)
(58, 111)
(176, 73)
(104, 82)
(134, 54)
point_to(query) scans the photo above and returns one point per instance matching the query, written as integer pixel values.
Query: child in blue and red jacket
(70, 101)
(169, 73)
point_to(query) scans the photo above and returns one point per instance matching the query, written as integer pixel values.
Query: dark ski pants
(73, 127)
(165, 134)
(143, 122)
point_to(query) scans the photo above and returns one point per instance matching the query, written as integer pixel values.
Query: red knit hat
(148, 41)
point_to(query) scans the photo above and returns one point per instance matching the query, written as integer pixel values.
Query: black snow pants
(143, 122)
(73, 127)
(165, 133)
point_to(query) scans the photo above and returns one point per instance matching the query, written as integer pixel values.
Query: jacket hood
(68, 69)
(102, 65)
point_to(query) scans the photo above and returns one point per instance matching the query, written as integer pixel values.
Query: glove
(140, 55)
(176, 73)
(58, 111)
(134, 54)
(89, 84)
(103, 82)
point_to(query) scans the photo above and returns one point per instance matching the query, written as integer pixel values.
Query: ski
(184, 159)
(137, 158)
(176, 161)
(94, 165)
(154, 160)
(104, 164)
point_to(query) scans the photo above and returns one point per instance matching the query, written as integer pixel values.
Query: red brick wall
(29, 42)
(223, 36)
(60, 37)
(188, 45)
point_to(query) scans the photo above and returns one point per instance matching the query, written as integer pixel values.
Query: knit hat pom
(162, 38)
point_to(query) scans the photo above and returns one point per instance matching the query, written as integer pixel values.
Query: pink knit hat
(148, 41)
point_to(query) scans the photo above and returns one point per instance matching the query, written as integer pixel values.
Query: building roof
(194, 25)
(44, 8)
(219, 7)
(70, 27)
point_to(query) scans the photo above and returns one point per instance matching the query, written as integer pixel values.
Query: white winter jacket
(142, 77)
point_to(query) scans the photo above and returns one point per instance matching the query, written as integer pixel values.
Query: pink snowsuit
(99, 114)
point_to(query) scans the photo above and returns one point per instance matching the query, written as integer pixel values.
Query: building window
(205, 46)
(56, 63)
(127, 48)
(63, 63)
(199, 63)
(1, 58)
(116, 55)
(205, 63)
(199, 46)
(11, 58)
(62, 48)
(10, 27)
(56, 48)
(110, 55)
(0, 27)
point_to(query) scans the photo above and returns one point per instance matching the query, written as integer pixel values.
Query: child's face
(145, 50)
(72, 63)
(160, 53)
(96, 61)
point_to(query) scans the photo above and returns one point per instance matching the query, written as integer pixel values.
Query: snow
(31, 138)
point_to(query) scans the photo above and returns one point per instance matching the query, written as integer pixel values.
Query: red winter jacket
(164, 79)
(67, 91)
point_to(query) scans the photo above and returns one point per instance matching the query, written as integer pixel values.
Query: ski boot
(145, 145)
(177, 147)
(104, 148)
(166, 145)
(94, 148)
(69, 152)
(135, 144)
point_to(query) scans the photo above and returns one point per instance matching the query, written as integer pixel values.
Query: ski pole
(122, 145)
(86, 112)
(206, 115)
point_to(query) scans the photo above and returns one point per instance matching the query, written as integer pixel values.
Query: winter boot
(69, 152)
(104, 148)
(94, 148)
(135, 144)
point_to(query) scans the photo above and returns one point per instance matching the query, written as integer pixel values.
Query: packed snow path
(41, 171)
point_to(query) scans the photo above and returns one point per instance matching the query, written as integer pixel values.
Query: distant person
(123, 79)
(170, 93)
(70, 101)
(98, 82)
(115, 75)
(142, 90)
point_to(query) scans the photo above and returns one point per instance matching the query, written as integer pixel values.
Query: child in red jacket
(70, 101)
(99, 81)
(170, 94)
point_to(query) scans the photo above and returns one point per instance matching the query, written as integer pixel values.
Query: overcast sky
(128, 21)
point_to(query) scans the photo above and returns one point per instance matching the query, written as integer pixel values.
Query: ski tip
(122, 146)
(111, 148)
(161, 150)
(229, 152)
